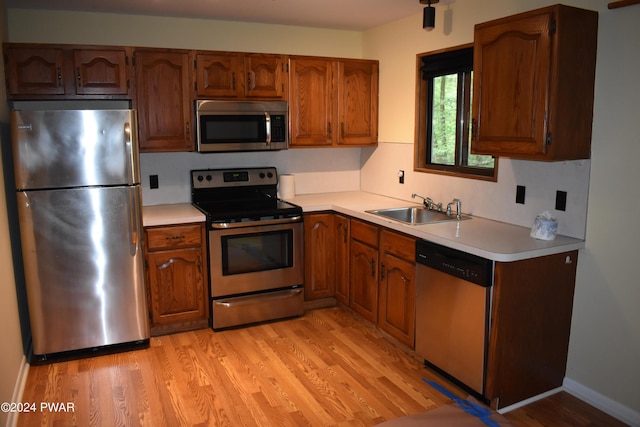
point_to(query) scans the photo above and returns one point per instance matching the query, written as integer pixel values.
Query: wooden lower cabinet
(364, 280)
(326, 256)
(383, 279)
(177, 277)
(396, 290)
(531, 321)
(371, 269)
(342, 235)
(365, 267)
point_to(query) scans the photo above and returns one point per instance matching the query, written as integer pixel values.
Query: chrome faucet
(426, 201)
(458, 204)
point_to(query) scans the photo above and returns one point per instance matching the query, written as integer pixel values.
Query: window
(443, 116)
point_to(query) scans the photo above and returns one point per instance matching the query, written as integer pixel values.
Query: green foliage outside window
(444, 116)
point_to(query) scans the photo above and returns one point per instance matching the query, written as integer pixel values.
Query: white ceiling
(335, 14)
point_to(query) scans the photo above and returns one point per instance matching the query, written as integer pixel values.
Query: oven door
(245, 259)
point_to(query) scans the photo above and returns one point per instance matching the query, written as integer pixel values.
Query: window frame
(422, 147)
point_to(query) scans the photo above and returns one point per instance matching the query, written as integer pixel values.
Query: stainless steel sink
(415, 215)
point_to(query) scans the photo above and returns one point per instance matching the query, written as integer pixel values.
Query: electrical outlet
(153, 181)
(401, 176)
(520, 191)
(561, 200)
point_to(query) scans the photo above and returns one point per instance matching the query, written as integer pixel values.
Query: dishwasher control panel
(460, 264)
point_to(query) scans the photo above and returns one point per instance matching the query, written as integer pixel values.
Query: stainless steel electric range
(255, 246)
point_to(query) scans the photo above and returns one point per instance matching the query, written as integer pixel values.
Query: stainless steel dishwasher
(453, 292)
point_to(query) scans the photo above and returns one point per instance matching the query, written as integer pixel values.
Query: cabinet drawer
(180, 236)
(366, 233)
(399, 245)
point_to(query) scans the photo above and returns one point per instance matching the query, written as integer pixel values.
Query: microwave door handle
(268, 125)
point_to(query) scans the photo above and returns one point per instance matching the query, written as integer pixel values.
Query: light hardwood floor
(325, 368)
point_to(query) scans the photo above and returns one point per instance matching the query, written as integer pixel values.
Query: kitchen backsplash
(375, 170)
(316, 170)
(493, 200)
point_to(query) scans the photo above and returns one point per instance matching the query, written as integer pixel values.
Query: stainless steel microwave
(241, 125)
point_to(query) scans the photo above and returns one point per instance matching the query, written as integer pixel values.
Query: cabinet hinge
(548, 139)
(133, 60)
(552, 27)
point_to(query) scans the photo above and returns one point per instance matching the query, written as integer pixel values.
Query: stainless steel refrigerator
(79, 204)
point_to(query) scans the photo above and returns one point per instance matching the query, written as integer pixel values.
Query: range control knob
(261, 175)
(200, 178)
(270, 175)
(209, 177)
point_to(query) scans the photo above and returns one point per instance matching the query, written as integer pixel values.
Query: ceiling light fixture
(429, 15)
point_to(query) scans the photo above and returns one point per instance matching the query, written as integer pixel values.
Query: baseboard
(528, 401)
(602, 402)
(18, 390)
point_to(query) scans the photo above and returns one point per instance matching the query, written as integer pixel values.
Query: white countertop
(181, 213)
(490, 239)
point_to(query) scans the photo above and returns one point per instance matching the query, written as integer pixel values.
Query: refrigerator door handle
(129, 148)
(134, 214)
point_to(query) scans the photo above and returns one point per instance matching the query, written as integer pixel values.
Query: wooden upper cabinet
(60, 72)
(163, 100)
(34, 71)
(241, 76)
(333, 102)
(219, 75)
(533, 84)
(357, 102)
(311, 103)
(100, 72)
(266, 76)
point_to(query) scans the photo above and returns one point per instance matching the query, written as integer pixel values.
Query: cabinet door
(396, 314)
(100, 72)
(177, 286)
(34, 71)
(220, 75)
(357, 102)
(163, 95)
(530, 326)
(265, 76)
(320, 266)
(364, 280)
(341, 229)
(512, 66)
(311, 103)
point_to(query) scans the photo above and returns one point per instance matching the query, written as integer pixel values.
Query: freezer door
(83, 262)
(74, 148)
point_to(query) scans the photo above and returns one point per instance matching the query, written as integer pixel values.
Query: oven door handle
(227, 225)
(260, 297)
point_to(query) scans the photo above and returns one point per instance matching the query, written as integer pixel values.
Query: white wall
(605, 336)
(11, 357)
